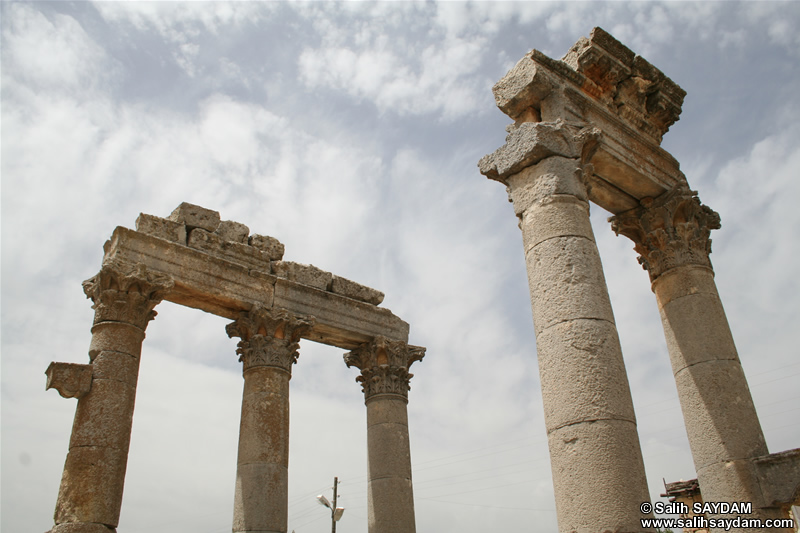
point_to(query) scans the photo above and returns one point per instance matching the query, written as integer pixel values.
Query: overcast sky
(351, 132)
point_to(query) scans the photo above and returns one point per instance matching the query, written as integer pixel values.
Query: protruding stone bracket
(669, 231)
(384, 365)
(530, 142)
(779, 477)
(71, 380)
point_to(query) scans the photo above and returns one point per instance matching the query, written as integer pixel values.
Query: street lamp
(336, 512)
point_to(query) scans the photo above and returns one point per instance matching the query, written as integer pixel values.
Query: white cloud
(183, 24)
(396, 72)
(442, 82)
(408, 214)
(754, 195)
(53, 54)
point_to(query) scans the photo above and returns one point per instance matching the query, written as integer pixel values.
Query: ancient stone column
(598, 471)
(384, 378)
(90, 495)
(671, 236)
(268, 349)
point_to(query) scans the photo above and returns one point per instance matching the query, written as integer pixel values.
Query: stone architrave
(268, 348)
(384, 378)
(671, 235)
(90, 496)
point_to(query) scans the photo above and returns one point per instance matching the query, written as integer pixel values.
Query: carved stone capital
(126, 292)
(384, 365)
(71, 380)
(270, 337)
(669, 231)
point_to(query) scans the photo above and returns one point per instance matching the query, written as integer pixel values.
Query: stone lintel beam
(222, 286)
(71, 380)
(599, 84)
(779, 477)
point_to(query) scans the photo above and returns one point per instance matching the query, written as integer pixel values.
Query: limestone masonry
(195, 259)
(586, 128)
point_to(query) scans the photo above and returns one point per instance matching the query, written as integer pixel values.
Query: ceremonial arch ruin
(586, 128)
(194, 259)
(589, 128)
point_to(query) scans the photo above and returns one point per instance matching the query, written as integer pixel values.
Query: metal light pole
(336, 512)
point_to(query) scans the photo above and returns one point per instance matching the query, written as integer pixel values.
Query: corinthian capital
(669, 231)
(384, 365)
(270, 337)
(126, 292)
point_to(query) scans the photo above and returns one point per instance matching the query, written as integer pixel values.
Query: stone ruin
(194, 259)
(586, 128)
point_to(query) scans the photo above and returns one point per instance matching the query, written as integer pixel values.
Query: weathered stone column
(90, 495)
(671, 236)
(268, 349)
(384, 378)
(598, 472)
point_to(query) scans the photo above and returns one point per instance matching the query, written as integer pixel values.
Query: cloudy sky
(351, 132)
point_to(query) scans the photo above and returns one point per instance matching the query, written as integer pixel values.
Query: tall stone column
(90, 496)
(268, 349)
(384, 378)
(671, 236)
(598, 471)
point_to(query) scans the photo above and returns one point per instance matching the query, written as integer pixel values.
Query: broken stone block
(233, 231)
(528, 144)
(269, 245)
(161, 228)
(356, 291)
(236, 252)
(305, 274)
(71, 380)
(194, 216)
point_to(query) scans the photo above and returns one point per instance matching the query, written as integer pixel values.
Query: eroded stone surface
(162, 228)
(390, 494)
(356, 291)
(270, 337)
(124, 296)
(609, 450)
(269, 245)
(305, 274)
(581, 370)
(268, 349)
(636, 90)
(625, 102)
(527, 145)
(669, 231)
(194, 216)
(779, 477)
(194, 259)
(236, 252)
(69, 379)
(233, 231)
(384, 365)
